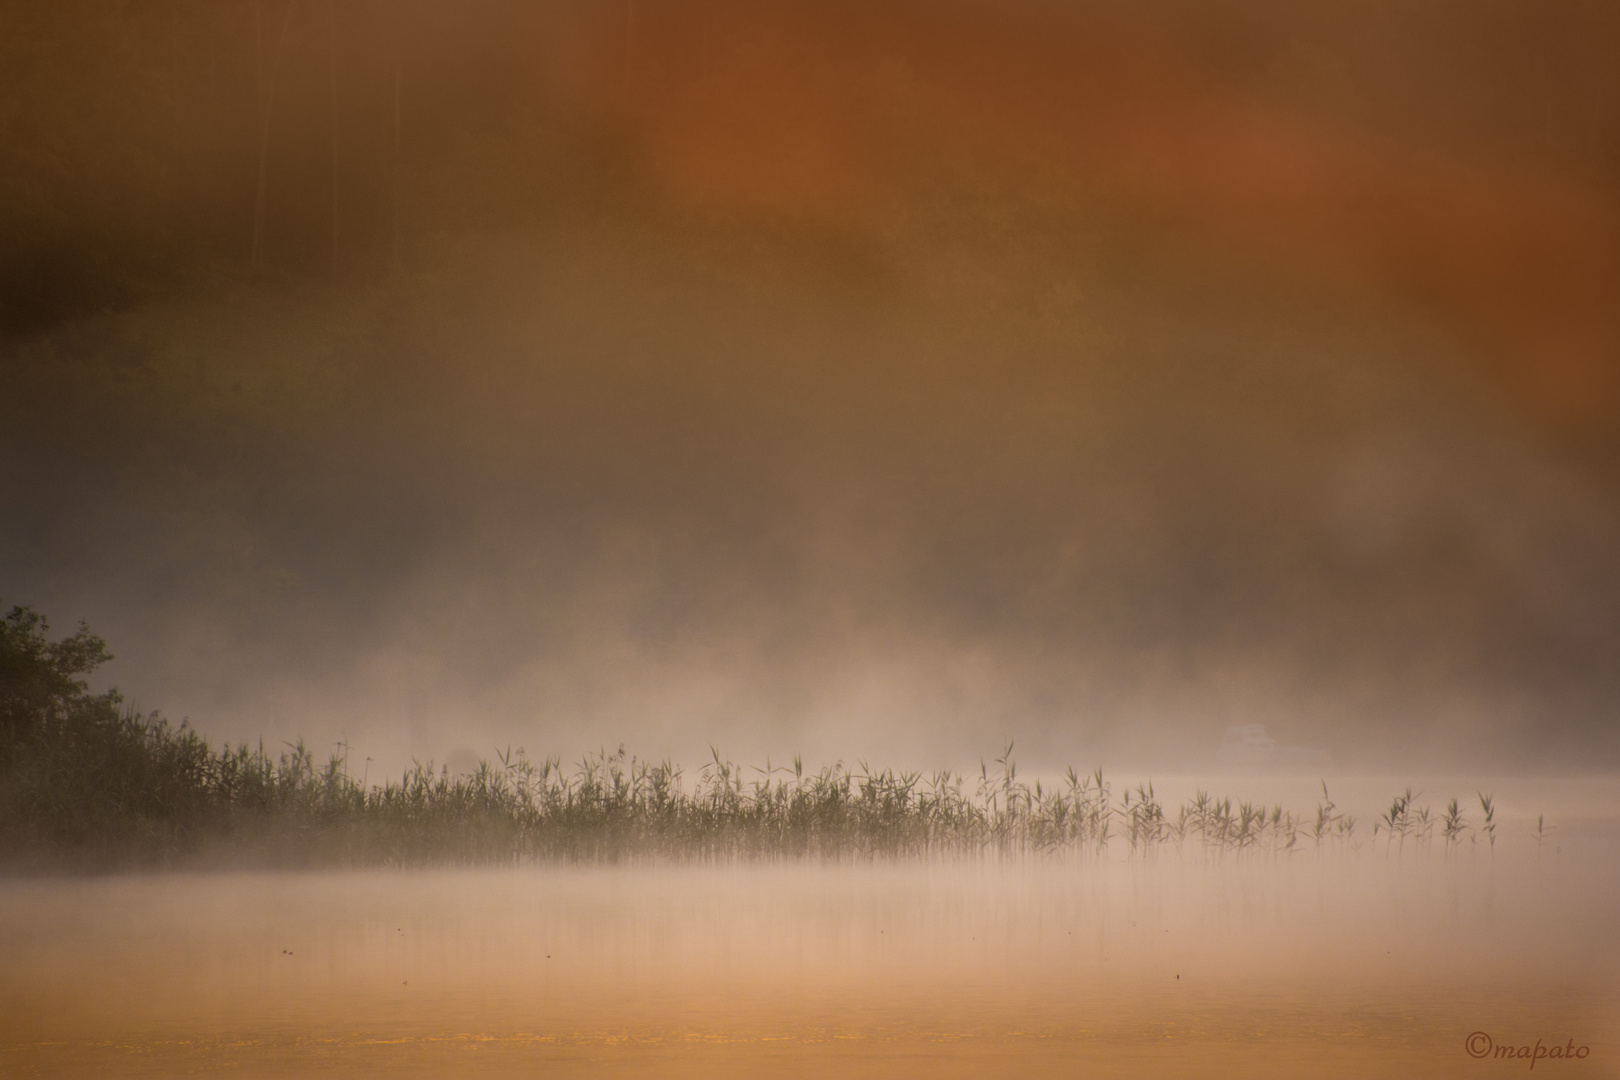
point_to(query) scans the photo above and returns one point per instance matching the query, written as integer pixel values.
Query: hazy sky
(868, 380)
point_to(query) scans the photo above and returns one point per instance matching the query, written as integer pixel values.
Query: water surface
(1373, 962)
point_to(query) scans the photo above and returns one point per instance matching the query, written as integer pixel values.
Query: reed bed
(244, 804)
(84, 780)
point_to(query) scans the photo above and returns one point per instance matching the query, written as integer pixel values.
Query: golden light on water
(539, 408)
(1336, 966)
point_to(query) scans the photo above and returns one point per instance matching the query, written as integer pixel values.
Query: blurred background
(1160, 385)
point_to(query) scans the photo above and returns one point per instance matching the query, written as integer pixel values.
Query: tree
(40, 679)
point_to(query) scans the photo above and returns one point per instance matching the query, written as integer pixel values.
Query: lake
(1374, 962)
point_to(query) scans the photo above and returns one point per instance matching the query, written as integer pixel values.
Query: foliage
(84, 781)
(77, 771)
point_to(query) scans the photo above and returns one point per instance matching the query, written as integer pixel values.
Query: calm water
(1352, 965)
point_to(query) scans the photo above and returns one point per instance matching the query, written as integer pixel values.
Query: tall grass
(84, 780)
(246, 804)
(608, 805)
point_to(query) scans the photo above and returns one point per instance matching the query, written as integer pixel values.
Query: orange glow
(837, 114)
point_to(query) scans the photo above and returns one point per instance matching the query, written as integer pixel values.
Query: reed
(1543, 832)
(1330, 825)
(85, 780)
(1452, 825)
(1488, 809)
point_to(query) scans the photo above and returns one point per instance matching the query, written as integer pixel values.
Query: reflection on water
(1351, 964)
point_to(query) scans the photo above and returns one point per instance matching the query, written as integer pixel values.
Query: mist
(881, 382)
(792, 537)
